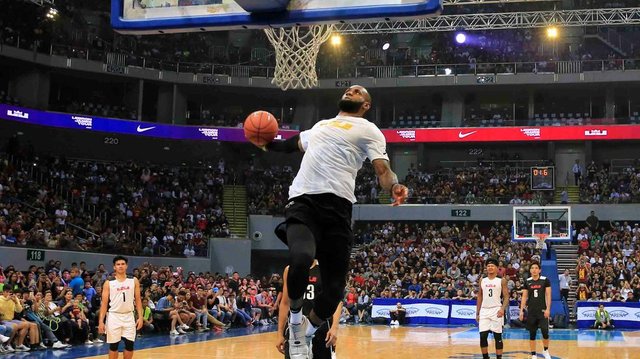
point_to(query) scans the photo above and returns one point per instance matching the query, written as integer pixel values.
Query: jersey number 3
(491, 292)
(310, 293)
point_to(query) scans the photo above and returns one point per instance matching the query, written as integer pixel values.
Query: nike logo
(140, 129)
(463, 135)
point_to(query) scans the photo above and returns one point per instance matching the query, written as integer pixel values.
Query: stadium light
(552, 32)
(447, 71)
(336, 40)
(461, 38)
(386, 46)
(52, 14)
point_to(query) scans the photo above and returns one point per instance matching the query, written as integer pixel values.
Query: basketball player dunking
(493, 301)
(324, 341)
(536, 297)
(118, 295)
(318, 215)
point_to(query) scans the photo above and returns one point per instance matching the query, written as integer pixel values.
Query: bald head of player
(355, 102)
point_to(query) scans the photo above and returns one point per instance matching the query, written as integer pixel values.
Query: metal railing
(386, 71)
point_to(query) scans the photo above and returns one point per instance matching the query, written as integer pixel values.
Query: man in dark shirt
(536, 297)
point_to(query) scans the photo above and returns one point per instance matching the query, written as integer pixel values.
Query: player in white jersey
(120, 295)
(318, 215)
(493, 302)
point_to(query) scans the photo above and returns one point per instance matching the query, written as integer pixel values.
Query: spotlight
(552, 32)
(52, 13)
(336, 40)
(386, 46)
(461, 38)
(447, 71)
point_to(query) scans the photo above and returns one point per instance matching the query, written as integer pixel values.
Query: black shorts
(537, 321)
(327, 216)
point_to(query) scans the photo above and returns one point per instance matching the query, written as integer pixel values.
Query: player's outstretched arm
(103, 306)
(283, 311)
(547, 296)
(479, 298)
(505, 297)
(138, 300)
(332, 335)
(523, 302)
(287, 146)
(389, 181)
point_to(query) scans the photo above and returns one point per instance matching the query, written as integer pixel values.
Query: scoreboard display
(543, 178)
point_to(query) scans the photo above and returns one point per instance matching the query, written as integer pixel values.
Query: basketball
(260, 128)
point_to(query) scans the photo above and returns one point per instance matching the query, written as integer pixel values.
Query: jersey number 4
(310, 293)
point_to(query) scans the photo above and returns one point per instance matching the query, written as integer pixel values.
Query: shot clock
(543, 178)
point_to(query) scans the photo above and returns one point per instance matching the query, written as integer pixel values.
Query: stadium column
(532, 105)
(172, 104)
(610, 103)
(452, 109)
(32, 88)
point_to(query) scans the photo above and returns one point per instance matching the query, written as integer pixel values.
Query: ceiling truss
(497, 21)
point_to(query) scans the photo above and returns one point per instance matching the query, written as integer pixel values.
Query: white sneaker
(9, 348)
(181, 331)
(88, 342)
(184, 327)
(22, 348)
(174, 332)
(546, 354)
(534, 357)
(2, 349)
(42, 346)
(98, 341)
(4, 339)
(59, 345)
(298, 345)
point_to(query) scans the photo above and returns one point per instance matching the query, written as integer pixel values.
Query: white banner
(413, 310)
(616, 313)
(463, 311)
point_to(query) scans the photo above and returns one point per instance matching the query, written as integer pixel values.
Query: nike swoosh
(140, 129)
(463, 135)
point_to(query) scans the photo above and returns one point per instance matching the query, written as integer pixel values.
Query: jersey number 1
(124, 298)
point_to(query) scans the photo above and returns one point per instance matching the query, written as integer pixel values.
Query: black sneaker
(319, 345)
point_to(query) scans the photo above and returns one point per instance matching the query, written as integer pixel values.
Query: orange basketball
(260, 128)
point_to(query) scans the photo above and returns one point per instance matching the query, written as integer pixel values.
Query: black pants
(318, 226)
(576, 178)
(398, 315)
(564, 294)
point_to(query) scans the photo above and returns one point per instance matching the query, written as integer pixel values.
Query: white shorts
(120, 326)
(489, 320)
(491, 324)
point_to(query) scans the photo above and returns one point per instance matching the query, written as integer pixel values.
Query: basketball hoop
(540, 239)
(296, 54)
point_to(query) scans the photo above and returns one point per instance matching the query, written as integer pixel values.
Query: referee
(536, 297)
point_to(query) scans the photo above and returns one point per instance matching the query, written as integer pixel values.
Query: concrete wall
(18, 257)
(414, 212)
(229, 255)
(265, 225)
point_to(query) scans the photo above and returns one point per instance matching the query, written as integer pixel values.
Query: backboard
(166, 16)
(554, 221)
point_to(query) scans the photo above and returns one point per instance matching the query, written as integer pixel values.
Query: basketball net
(296, 54)
(540, 239)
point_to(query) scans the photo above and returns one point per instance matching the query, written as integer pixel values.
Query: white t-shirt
(491, 292)
(61, 216)
(334, 152)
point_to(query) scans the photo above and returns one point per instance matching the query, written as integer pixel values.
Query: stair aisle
(234, 205)
(567, 256)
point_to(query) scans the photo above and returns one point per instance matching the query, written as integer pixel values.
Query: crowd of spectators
(607, 268)
(111, 207)
(63, 302)
(599, 185)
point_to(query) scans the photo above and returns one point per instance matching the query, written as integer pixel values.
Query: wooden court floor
(381, 342)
